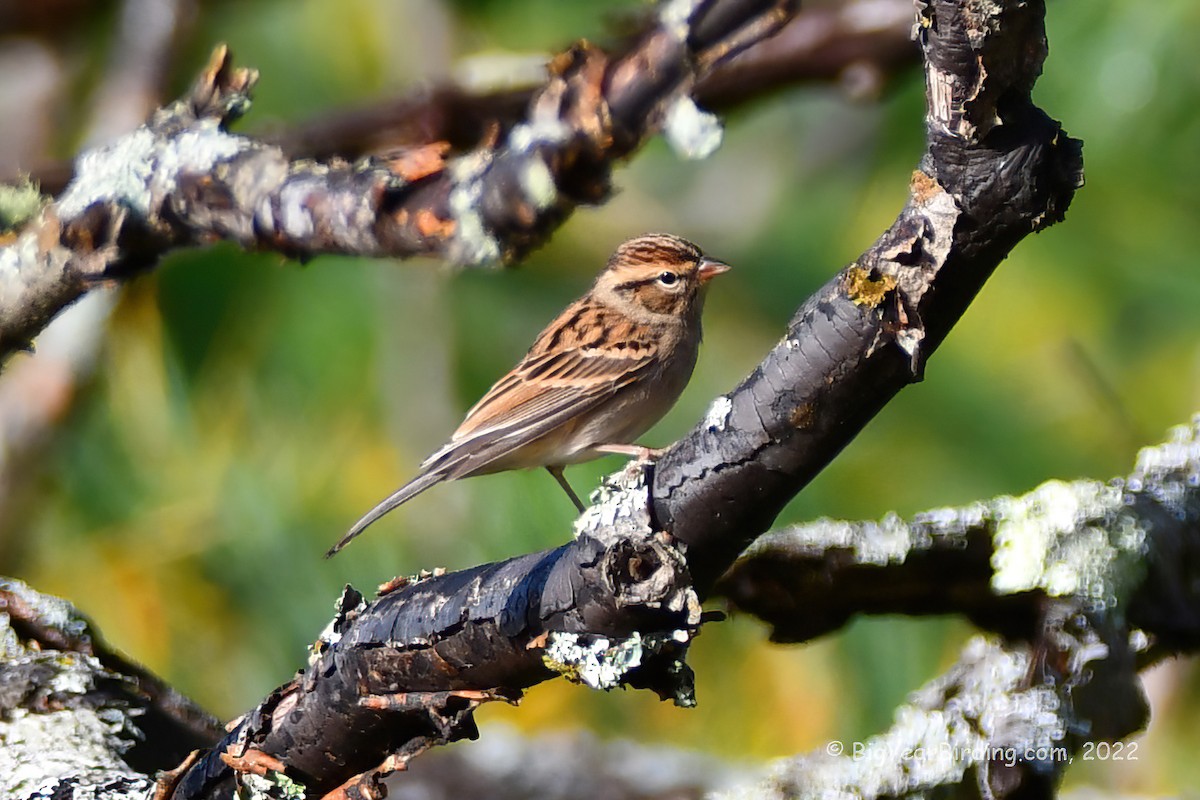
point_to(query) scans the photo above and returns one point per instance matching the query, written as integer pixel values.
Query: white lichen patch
(42, 751)
(620, 506)
(116, 171)
(140, 167)
(544, 127)
(888, 542)
(1180, 453)
(73, 677)
(537, 182)
(272, 786)
(952, 521)
(1062, 538)
(472, 244)
(692, 132)
(717, 416)
(594, 661)
(52, 612)
(295, 215)
(332, 633)
(11, 260)
(909, 340)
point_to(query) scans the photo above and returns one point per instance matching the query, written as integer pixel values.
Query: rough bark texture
(996, 561)
(391, 678)
(996, 169)
(79, 720)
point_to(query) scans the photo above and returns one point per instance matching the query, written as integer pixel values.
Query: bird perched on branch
(599, 376)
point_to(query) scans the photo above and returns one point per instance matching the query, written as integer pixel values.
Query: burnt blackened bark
(403, 673)
(996, 169)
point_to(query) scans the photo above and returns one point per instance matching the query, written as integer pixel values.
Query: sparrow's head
(659, 275)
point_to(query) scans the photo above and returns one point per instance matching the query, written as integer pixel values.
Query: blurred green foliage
(247, 409)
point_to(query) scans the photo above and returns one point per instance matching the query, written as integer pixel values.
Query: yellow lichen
(865, 289)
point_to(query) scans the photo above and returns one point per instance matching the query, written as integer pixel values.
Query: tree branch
(78, 718)
(1088, 582)
(860, 43)
(984, 729)
(182, 179)
(995, 170)
(1133, 542)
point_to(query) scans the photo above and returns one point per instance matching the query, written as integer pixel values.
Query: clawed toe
(633, 451)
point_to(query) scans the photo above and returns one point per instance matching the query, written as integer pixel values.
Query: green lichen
(19, 203)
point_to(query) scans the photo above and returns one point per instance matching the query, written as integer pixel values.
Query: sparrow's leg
(557, 472)
(632, 450)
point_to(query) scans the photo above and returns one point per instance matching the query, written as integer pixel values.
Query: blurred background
(181, 476)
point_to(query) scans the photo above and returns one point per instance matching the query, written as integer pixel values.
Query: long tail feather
(402, 495)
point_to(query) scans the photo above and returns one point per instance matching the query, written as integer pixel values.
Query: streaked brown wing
(544, 386)
(540, 394)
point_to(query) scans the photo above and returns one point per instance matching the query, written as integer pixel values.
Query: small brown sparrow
(599, 376)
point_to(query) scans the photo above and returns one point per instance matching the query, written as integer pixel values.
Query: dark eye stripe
(624, 287)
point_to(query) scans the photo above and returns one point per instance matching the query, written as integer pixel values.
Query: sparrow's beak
(710, 268)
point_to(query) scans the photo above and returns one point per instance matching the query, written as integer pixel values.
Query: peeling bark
(389, 679)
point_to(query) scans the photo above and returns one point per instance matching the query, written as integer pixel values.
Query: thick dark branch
(996, 169)
(390, 679)
(182, 179)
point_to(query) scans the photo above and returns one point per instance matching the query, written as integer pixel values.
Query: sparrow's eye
(668, 279)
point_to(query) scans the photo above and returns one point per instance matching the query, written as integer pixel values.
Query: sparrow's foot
(633, 451)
